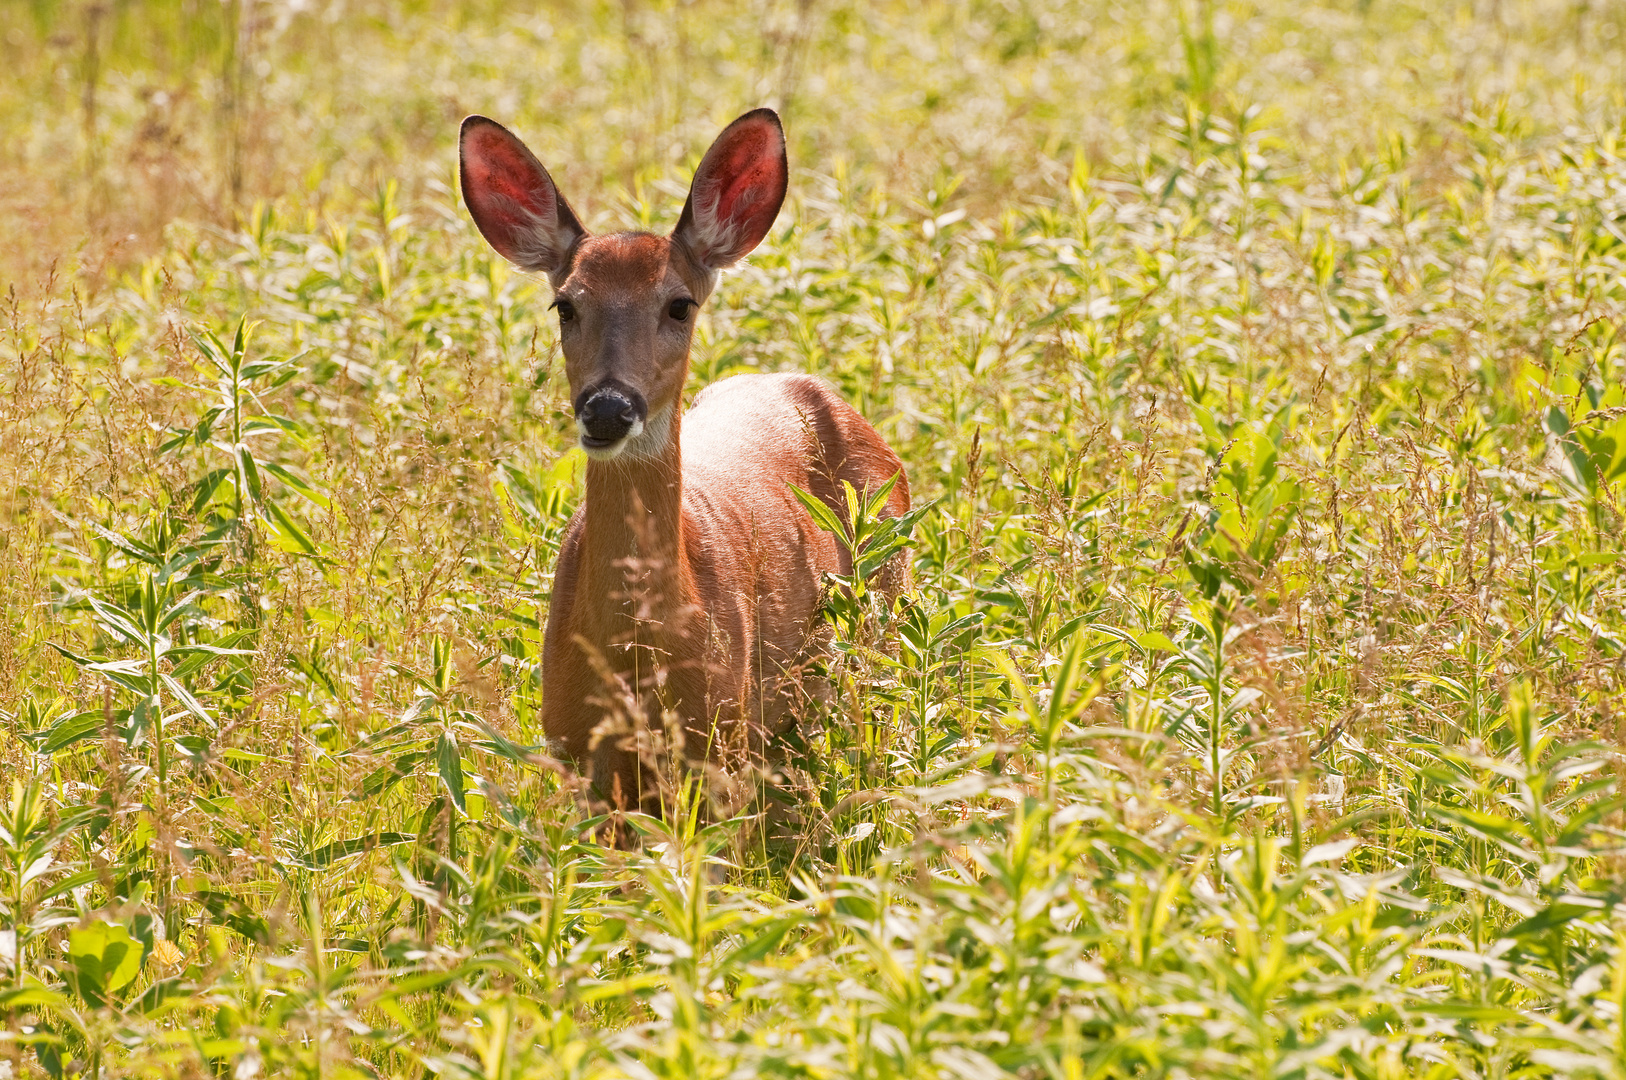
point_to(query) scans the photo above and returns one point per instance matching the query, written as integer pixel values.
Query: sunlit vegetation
(1257, 711)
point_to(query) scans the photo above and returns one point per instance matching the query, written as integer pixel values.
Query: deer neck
(636, 580)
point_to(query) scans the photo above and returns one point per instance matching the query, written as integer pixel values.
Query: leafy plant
(237, 416)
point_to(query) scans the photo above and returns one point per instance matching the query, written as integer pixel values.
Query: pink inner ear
(501, 176)
(738, 190)
(748, 167)
(736, 193)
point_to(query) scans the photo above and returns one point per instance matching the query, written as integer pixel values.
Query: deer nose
(608, 413)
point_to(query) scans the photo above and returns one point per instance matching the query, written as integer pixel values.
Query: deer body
(689, 582)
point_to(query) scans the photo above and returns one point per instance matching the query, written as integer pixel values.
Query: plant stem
(1216, 707)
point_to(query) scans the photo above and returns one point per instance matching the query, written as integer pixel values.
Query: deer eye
(567, 310)
(679, 309)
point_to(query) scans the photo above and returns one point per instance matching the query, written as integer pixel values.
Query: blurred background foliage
(121, 117)
(1259, 709)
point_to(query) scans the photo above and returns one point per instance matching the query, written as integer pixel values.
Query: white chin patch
(644, 440)
(613, 451)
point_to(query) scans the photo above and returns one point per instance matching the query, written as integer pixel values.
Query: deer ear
(737, 191)
(512, 199)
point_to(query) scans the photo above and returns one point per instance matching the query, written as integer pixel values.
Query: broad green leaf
(70, 729)
(105, 959)
(877, 498)
(1155, 641)
(449, 759)
(249, 470)
(824, 517)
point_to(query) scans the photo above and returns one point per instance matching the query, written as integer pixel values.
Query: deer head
(626, 301)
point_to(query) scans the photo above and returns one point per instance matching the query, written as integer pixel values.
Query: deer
(689, 582)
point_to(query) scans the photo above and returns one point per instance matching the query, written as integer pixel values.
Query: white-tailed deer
(690, 580)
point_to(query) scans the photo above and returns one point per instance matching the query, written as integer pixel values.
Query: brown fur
(689, 582)
(730, 591)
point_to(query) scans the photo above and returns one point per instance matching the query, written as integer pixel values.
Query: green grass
(1258, 711)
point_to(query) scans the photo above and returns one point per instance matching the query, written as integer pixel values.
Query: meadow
(1259, 706)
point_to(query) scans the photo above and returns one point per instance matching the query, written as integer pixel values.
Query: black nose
(608, 413)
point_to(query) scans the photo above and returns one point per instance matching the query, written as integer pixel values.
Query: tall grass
(1258, 708)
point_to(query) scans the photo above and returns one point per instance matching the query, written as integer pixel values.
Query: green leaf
(231, 912)
(450, 760)
(152, 1001)
(249, 469)
(239, 343)
(70, 729)
(1522, 721)
(290, 536)
(1154, 641)
(496, 743)
(133, 548)
(1551, 917)
(387, 776)
(116, 622)
(877, 499)
(130, 674)
(207, 486)
(298, 484)
(590, 991)
(32, 997)
(183, 606)
(824, 517)
(200, 653)
(328, 854)
(212, 350)
(66, 885)
(755, 948)
(1559, 424)
(81, 661)
(441, 651)
(1062, 706)
(184, 696)
(1066, 629)
(105, 959)
(960, 630)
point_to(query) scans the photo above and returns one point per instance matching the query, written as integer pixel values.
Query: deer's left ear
(737, 191)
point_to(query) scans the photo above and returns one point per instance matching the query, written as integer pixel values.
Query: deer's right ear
(512, 199)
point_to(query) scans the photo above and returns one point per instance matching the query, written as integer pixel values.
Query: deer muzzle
(608, 413)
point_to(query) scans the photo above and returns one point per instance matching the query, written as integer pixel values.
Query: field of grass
(1259, 710)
